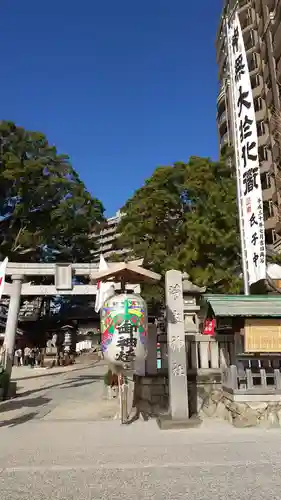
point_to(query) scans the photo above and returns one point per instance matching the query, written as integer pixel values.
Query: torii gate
(63, 285)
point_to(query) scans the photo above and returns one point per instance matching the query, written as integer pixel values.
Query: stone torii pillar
(12, 321)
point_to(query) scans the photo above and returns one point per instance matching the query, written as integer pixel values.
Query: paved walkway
(104, 460)
(76, 392)
(53, 446)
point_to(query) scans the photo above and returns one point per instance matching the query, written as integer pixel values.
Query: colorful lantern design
(124, 329)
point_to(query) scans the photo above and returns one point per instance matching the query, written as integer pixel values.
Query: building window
(268, 237)
(253, 63)
(260, 128)
(268, 209)
(255, 81)
(258, 103)
(265, 181)
(271, 210)
(263, 153)
(250, 42)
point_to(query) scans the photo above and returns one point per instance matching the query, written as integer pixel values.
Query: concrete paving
(76, 392)
(46, 456)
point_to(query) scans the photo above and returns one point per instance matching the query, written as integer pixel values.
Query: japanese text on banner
(247, 162)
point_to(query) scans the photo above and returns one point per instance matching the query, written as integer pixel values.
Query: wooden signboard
(263, 335)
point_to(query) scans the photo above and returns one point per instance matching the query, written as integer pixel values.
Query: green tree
(185, 217)
(46, 213)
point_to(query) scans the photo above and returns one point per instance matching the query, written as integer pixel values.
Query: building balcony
(276, 153)
(243, 4)
(278, 181)
(222, 65)
(270, 223)
(222, 118)
(261, 114)
(220, 45)
(251, 45)
(261, 27)
(269, 98)
(271, 170)
(275, 5)
(270, 4)
(278, 69)
(254, 63)
(266, 73)
(265, 166)
(275, 197)
(246, 19)
(274, 126)
(257, 91)
(224, 139)
(277, 40)
(264, 54)
(221, 95)
(267, 194)
(278, 230)
(258, 6)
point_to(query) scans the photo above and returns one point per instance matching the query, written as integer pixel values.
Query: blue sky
(120, 86)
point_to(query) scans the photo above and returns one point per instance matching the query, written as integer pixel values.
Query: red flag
(209, 327)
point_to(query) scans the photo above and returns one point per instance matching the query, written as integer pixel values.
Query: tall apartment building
(261, 27)
(107, 237)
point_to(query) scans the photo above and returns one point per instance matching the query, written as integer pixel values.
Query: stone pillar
(178, 388)
(12, 322)
(151, 360)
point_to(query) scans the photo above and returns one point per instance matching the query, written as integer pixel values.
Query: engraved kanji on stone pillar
(178, 389)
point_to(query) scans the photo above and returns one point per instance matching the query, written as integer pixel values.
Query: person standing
(32, 358)
(27, 351)
(18, 354)
(38, 357)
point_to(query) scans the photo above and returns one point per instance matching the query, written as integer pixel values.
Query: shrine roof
(130, 272)
(244, 305)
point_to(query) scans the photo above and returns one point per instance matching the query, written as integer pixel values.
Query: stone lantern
(191, 307)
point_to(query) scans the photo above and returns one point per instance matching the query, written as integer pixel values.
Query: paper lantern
(124, 329)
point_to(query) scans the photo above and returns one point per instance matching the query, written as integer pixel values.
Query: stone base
(166, 422)
(12, 390)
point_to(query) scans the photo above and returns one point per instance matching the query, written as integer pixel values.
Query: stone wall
(152, 394)
(203, 387)
(214, 402)
(252, 413)
(207, 399)
(204, 392)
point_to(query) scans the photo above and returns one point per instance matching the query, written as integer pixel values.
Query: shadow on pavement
(67, 384)
(53, 374)
(16, 404)
(76, 384)
(18, 420)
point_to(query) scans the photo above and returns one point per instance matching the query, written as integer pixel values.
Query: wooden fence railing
(203, 352)
(206, 352)
(252, 376)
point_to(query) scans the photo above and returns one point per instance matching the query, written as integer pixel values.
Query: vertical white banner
(247, 159)
(3, 266)
(104, 290)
